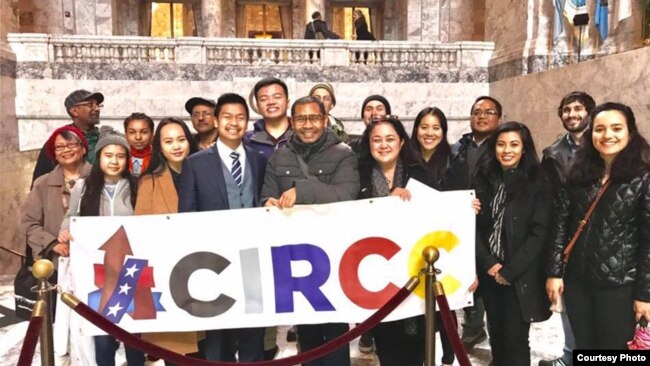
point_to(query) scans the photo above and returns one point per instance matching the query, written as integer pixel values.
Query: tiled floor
(545, 339)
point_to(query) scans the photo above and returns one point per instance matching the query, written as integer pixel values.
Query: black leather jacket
(556, 161)
(614, 248)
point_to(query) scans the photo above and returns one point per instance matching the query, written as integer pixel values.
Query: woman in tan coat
(43, 210)
(172, 143)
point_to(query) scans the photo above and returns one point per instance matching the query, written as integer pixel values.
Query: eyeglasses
(202, 114)
(69, 146)
(91, 105)
(313, 118)
(387, 118)
(486, 113)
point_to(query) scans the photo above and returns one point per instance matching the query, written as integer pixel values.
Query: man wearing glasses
(485, 117)
(313, 167)
(84, 108)
(201, 112)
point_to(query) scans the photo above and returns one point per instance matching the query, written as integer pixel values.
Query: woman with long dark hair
(511, 236)
(605, 276)
(109, 190)
(157, 194)
(429, 141)
(386, 163)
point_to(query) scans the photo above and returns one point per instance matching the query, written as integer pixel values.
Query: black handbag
(24, 282)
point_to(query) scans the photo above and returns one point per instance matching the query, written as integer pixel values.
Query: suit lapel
(215, 165)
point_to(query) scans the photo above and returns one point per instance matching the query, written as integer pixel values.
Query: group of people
(526, 211)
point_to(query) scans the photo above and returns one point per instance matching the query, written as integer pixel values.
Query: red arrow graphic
(116, 248)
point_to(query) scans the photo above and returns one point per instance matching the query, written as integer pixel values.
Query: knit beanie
(50, 147)
(327, 87)
(109, 136)
(376, 97)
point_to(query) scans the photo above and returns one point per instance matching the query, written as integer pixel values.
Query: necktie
(236, 168)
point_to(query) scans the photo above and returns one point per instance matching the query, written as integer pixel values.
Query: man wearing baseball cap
(201, 112)
(84, 108)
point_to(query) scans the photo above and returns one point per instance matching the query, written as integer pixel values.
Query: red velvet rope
(452, 331)
(31, 338)
(158, 352)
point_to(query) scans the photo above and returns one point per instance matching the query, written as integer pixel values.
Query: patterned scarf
(498, 209)
(381, 186)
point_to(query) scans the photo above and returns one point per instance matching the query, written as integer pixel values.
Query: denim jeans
(569, 340)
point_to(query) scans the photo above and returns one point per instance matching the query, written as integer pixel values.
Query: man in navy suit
(226, 176)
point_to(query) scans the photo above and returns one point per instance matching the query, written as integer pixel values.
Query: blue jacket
(202, 186)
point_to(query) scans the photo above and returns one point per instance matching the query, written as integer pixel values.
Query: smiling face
(112, 161)
(231, 124)
(484, 119)
(574, 116)
(385, 144)
(610, 134)
(429, 133)
(173, 143)
(308, 122)
(68, 152)
(138, 134)
(509, 149)
(86, 114)
(272, 102)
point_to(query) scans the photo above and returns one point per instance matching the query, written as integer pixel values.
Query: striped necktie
(236, 168)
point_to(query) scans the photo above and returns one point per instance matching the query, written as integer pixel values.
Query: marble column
(522, 31)
(84, 17)
(210, 18)
(104, 17)
(16, 167)
(423, 20)
(39, 16)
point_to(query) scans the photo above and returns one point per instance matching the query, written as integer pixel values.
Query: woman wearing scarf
(511, 236)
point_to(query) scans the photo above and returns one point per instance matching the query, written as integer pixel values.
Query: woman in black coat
(606, 281)
(386, 163)
(361, 27)
(511, 236)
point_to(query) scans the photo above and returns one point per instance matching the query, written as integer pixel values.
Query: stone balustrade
(255, 52)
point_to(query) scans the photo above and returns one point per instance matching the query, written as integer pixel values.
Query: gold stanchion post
(430, 255)
(42, 270)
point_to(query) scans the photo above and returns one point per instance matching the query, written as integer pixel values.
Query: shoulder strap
(583, 222)
(303, 167)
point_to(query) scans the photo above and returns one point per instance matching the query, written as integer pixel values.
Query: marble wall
(533, 99)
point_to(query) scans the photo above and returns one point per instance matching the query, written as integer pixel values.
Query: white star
(124, 289)
(114, 309)
(130, 272)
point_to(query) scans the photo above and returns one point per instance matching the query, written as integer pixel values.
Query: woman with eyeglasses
(605, 275)
(386, 163)
(157, 194)
(45, 206)
(511, 234)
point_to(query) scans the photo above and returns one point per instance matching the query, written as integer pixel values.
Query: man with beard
(556, 164)
(201, 112)
(274, 129)
(84, 108)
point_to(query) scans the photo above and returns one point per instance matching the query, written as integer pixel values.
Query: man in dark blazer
(226, 176)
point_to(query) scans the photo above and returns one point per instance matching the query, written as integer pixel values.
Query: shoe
(555, 362)
(271, 354)
(470, 341)
(291, 334)
(366, 344)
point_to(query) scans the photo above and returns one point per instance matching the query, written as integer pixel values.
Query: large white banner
(264, 266)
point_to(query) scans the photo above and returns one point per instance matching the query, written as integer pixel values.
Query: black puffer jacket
(614, 248)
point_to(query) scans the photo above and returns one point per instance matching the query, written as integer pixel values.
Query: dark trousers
(600, 318)
(473, 322)
(401, 342)
(227, 344)
(105, 348)
(447, 348)
(311, 336)
(508, 330)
